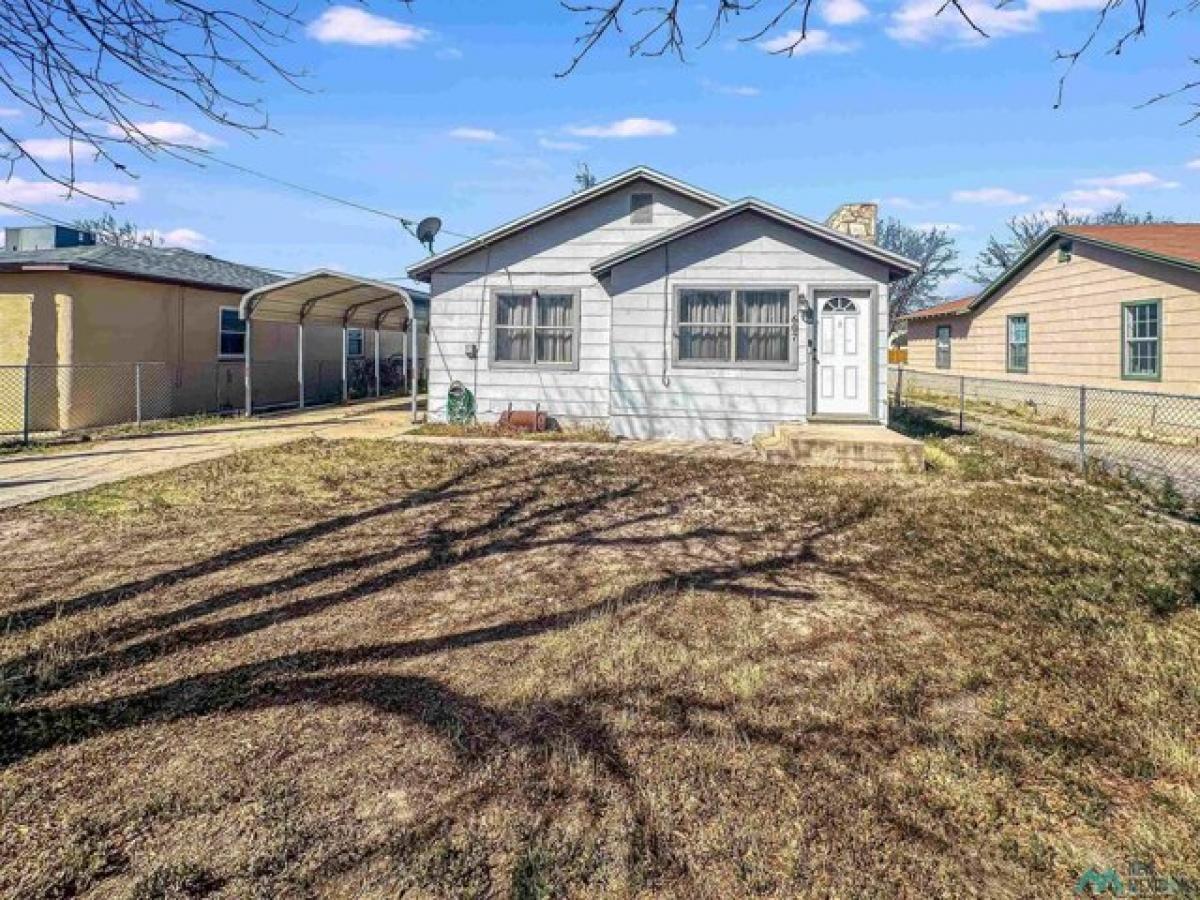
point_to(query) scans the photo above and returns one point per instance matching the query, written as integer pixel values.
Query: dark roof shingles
(158, 263)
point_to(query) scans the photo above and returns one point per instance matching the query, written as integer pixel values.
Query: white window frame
(362, 343)
(532, 363)
(732, 362)
(221, 332)
(937, 346)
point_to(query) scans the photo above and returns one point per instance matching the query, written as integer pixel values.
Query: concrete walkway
(28, 477)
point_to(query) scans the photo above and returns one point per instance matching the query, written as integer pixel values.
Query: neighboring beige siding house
(1104, 306)
(658, 309)
(83, 314)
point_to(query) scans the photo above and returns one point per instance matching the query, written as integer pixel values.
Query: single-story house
(81, 314)
(1114, 306)
(659, 309)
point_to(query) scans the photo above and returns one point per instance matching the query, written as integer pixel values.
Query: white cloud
(169, 132)
(901, 202)
(990, 196)
(1100, 195)
(1130, 180)
(626, 128)
(18, 190)
(56, 149)
(948, 227)
(843, 12)
(730, 90)
(8, 112)
(816, 41)
(1194, 164)
(548, 144)
(188, 238)
(1055, 6)
(483, 135)
(350, 25)
(921, 21)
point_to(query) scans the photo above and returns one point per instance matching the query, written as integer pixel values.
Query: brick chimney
(855, 219)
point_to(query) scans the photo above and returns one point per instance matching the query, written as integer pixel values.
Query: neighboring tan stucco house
(658, 309)
(1115, 306)
(92, 311)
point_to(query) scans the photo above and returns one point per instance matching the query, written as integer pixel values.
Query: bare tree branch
(93, 71)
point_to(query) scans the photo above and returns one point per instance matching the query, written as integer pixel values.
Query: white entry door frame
(843, 363)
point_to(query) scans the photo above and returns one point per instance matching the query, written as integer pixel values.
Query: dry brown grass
(373, 669)
(588, 433)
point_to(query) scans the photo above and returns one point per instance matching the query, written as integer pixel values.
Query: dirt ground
(375, 669)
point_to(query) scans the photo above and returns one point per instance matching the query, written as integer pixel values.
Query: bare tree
(108, 230)
(657, 28)
(90, 71)
(934, 248)
(1022, 232)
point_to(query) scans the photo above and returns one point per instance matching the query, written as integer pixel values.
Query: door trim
(871, 292)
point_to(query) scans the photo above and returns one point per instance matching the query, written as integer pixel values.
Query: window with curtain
(535, 329)
(354, 342)
(1017, 355)
(231, 333)
(943, 347)
(743, 326)
(1141, 350)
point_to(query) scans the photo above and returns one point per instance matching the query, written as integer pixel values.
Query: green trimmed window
(943, 347)
(1141, 340)
(1016, 357)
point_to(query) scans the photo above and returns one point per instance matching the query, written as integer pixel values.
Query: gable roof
(166, 264)
(946, 308)
(422, 269)
(899, 265)
(1173, 244)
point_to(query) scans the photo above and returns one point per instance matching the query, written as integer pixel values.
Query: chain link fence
(51, 399)
(1146, 436)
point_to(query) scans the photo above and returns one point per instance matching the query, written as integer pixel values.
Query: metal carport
(325, 297)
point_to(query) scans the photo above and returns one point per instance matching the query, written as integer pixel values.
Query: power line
(324, 195)
(36, 215)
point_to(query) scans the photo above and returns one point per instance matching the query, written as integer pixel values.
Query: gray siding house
(658, 309)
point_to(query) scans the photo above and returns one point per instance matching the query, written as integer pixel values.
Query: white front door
(843, 358)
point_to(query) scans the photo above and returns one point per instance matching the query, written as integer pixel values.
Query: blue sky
(453, 109)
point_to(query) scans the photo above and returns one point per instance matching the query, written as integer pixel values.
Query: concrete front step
(841, 446)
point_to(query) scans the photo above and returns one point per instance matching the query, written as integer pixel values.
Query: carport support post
(300, 361)
(247, 380)
(376, 360)
(345, 382)
(412, 337)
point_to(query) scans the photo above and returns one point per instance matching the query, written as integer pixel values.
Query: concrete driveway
(28, 477)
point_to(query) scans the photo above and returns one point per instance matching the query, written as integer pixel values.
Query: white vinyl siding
(653, 395)
(553, 257)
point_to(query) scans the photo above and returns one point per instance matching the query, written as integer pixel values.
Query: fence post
(900, 388)
(26, 413)
(962, 403)
(137, 392)
(1083, 429)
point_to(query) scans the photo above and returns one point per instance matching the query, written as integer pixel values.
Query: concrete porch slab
(841, 446)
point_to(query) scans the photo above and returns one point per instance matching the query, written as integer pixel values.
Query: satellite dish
(427, 230)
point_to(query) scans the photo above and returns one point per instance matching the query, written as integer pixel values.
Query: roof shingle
(158, 263)
(1176, 241)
